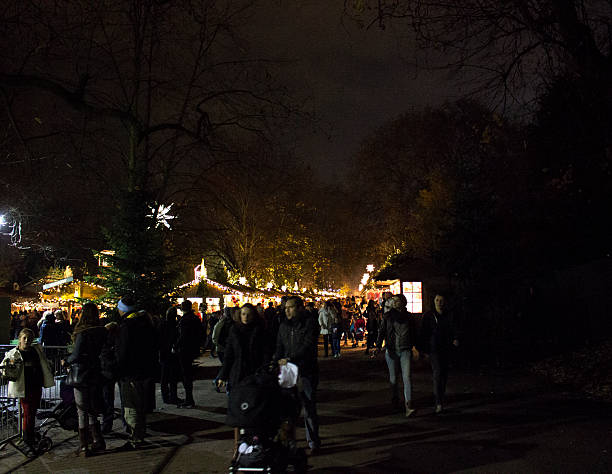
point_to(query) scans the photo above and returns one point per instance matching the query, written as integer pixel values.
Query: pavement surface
(498, 422)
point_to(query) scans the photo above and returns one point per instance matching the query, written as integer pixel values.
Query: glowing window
(412, 290)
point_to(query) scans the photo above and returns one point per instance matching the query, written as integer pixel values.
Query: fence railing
(10, 408)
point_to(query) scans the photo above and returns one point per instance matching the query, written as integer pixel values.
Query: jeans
(86, 410)
(134, 396)
(308, 398)
(404, 362)
(439, 369)
(335, 344)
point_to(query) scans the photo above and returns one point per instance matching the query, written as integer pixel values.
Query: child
(35, 373)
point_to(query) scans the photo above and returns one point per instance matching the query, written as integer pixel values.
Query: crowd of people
(52, 327)
(141, 349)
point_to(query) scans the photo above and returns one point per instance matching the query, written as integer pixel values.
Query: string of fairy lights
(46, 298)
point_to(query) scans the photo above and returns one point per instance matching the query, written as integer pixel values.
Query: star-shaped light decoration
(161, 215)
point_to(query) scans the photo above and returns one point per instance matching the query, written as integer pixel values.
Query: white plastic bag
(288, 375)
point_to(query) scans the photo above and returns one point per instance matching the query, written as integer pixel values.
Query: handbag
(11, 369)
(77, 373)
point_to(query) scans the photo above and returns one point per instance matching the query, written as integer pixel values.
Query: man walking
(190, 331)
(297, 343)
(137, 356)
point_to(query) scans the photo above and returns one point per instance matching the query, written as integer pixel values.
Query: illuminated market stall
(416, 279)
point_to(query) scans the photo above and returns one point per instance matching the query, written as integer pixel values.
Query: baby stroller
(258, 406)
(64, 415)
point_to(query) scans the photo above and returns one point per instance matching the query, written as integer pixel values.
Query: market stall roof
(70, 289)
(189, 289)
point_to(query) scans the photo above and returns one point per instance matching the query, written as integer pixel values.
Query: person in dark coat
(169, 358)
(297, 343)
(89, 339)
(398, 331)
(371, 314)
(51, 333)
(189, 338)
(246, 348)
(211, 322)
(110, 369)
(137, 356)
(15, 325)
(61, 319)
(245, 352)
(438, 336)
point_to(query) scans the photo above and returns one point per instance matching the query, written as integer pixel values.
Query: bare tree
(136, 97)
(512, 49)
(154, 84)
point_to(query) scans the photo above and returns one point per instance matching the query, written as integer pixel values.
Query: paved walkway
(510, 422)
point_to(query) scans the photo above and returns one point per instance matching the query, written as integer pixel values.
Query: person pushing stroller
(246, 351)
(297, 343)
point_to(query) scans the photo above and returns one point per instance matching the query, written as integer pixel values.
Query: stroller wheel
(45, 444)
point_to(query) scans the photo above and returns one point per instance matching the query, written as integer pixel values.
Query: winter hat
(126, 306)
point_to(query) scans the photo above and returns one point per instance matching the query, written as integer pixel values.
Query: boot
(189, 401)
(83, 443)
(98, 440)
(28, 445)
(173, 398)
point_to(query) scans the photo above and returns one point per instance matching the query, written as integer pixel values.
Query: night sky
(357, 78)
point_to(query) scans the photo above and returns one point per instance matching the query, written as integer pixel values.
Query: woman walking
(89, 338)
(245, 352)
(371, 314)
(327, 316)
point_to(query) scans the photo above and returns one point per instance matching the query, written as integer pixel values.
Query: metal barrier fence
(10, 408)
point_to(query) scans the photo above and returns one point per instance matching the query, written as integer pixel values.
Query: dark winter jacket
(168, 338)
(297, 340)
(246, 351)
(190, 335)
(88, 345)
(398, 331)
(437, 332)
(137, 347)
(53, 334)
(372, 324)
